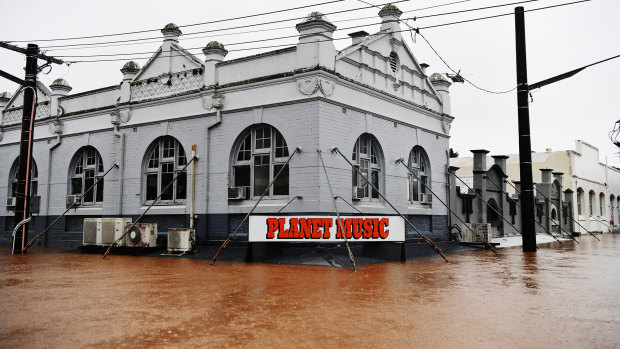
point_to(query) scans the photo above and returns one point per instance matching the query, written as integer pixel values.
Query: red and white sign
(326, 228)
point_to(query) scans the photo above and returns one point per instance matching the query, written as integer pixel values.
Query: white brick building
(372, 100)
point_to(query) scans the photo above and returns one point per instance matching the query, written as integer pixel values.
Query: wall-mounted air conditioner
(427, 198)
(236, 193)
(181, 239)
(73, 199)
(11, 201)
(141, 235)
(359, 193)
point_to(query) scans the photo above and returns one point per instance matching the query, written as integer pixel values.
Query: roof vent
(394, 61)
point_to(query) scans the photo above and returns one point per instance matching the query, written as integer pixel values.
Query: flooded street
(558, 297)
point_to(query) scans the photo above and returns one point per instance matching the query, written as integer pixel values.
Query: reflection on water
(556, 297)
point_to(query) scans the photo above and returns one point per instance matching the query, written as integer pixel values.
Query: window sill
(419, 209)
(270, 206)
(163, 209)
(85, 211)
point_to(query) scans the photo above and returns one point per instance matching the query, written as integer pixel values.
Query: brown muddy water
(557, 297)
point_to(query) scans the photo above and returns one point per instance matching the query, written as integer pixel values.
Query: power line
(201, 47)
(417, 31)
(501, 15)
(473, 9)
(290, 36)
(185, 36)
(188, 25)
(194, 33)
(345, 38)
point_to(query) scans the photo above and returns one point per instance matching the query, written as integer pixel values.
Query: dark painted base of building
(210, 229)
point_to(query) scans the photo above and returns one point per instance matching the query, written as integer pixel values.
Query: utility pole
(22, 204)
(525, 147)
(24, 163)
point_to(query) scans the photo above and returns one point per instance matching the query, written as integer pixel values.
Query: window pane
(364, 145)
(13, 189)
(424, 183)
(90, 157)
(100, 166)
(415, 189)
(263, 138)
(281, 148)
(261, 174)
(79, 166)
(89, 180)
(167, 174)
(242, 176)
(245, 150)
(373, 156)
(181, 186)
(182, 159)
(280, 186)
(168, 147)
(154, 158)
(76, 186)
(99, 190)
(34, 186)
(374, 179)
(364, 171)
(151, 186)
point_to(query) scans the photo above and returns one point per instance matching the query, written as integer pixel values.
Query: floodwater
(557, 297)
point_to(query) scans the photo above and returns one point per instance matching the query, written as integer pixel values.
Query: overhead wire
(185, 36)
(183, 26)
(417, 32)
(409, 29)
(215, 30)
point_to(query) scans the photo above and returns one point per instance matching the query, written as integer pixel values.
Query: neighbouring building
(595, 185)
(372, 100)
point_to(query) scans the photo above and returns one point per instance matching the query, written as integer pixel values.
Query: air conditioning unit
(236, 193)
(181, 239)
(427, 198)
(110, 230)
(90, 231)
(359, 193)
(73, 199)
(141, 235)
(11, 201)
(104, 231)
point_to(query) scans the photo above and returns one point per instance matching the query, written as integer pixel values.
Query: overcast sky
(558, 40)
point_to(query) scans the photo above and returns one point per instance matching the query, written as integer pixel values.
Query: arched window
(601, 204)
(419, 164)
(86, 168)
(579, 200)
(259, 154)
(367, 157)
(165, 159)
(492, 211)
(591, 202)
(554, 214)
(34, 174)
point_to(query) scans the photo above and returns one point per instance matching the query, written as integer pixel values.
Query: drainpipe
(49, 176)
(448, 189)
(192, 187)
(121, 167)
(217, 104)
